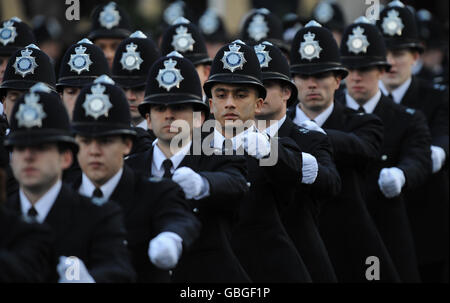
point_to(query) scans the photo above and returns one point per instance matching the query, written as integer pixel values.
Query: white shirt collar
(369, 106)
(43, 205)
(87, 187)
(143, 124)
(159, 157)
(397, 93)
(237, 140)
(273, 129)
(300, 116)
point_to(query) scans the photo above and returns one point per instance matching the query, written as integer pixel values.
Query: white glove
(257, 144)
(309, 168)
(164, 250)
(438, 157)
(73, 270)
(311, 125)
(391, 181)
(192, 183)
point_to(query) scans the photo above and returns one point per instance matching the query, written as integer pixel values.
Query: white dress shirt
(143, 124)
(87, 187)
(43, 205)
(237, 140)
(300, 116)
(369, 106)
(397, 93)
(272, 130)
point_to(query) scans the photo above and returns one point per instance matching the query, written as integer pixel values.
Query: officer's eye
(159, 108)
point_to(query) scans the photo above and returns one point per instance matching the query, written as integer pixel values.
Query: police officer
(26, 67)
(110, 25)
(405, 161)
(320, 177)
(14, 34)
(81, 64)
(89, 233)
(329, 13)
(347, 229)
(236, 94)
(159, 223)
(213, 29)
(427, 205)
(262, 25)
(184, 37)
(213, 184)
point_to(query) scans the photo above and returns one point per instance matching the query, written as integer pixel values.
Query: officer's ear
(148, 119)
(128, 142)
(67, 158)
(287, 92)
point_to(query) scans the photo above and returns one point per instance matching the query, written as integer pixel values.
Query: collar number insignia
(97, 104)
(30, 113)
(392, 24)
(183, 41)
(233, 59)
(310, 49)
(131, 59)
(263, 55)
(8, 32)
(258, 28)
(169, 76)
(79, 61)
(357, 42)
(109, 17)
(25, 64)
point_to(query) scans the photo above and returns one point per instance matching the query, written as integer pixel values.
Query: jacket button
(384, 157)
(249, 184)
(195, 210)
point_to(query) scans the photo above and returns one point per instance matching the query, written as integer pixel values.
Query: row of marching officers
(286, 175)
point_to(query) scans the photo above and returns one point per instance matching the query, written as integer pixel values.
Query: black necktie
(97, 193)
(361, 109)
(390, 97)
(167, 164)
(227, 147)
(32, 213)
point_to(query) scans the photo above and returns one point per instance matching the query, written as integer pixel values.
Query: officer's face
(135, 96)
(3, 63)
(402, 62)
(37, 168)
(316, 93)
(274, 105)
(203, 72)
(161, 118)
(108, 46)
(69, 96)
(234, 103)
(100, 158)
(9, 100)
(362, 84)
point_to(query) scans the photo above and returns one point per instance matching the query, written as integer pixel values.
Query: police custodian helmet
(274, 66)
(315, 51)
(235, 63)
(109, 21)
(27, 67)
(172, 80)
(363, 46)
(14, 34)
(82, 63)
(134, 57)
(38, 117)
(102, 109)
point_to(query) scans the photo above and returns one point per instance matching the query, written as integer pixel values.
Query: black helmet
(27, 67)
(263, 25)
(330, 15)
(39, 117)
(235, 63)
(315, 51)
(212, 27)
(14, 34)
(291, 25)
(134, 57)
(185, 38)
(109, 21)
(102, 109)
(398, 26)
(172, 80)
(363, 46)
(81, 64)
(274, 66)
(431, 31)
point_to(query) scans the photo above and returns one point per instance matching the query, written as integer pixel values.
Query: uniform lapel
(411, 94)
(61, 213)
(123, 194)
